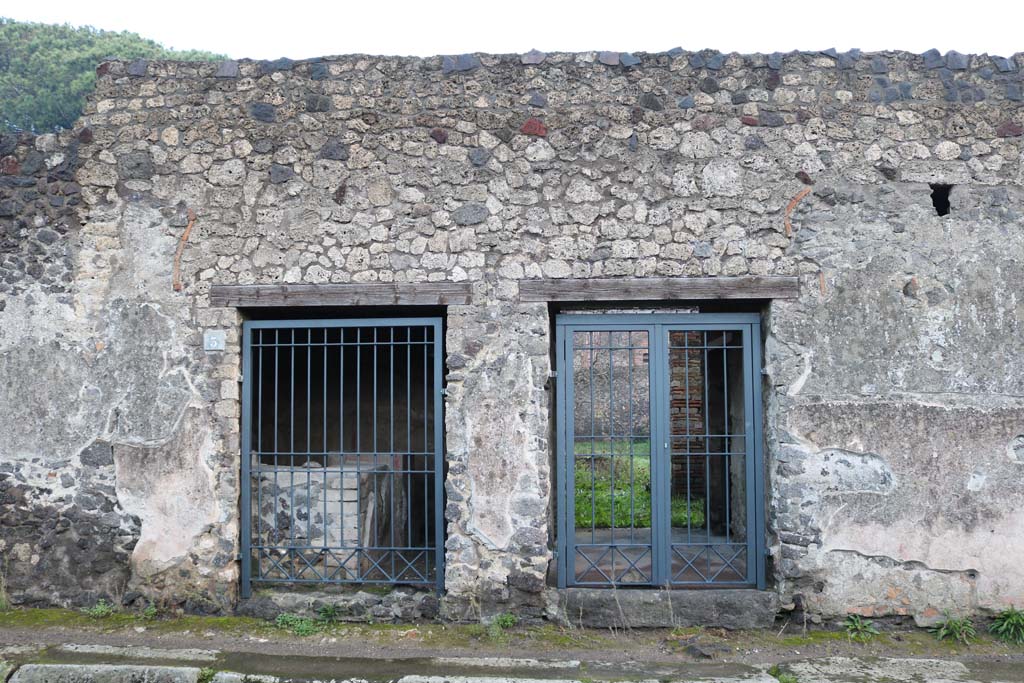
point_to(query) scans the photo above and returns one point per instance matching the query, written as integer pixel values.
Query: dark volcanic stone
(279, 173)
(1003, 64)
(282, 64)
(440, 135)
(261, 111)
(538, 100)
(135, 166)
(9, 208)
(138, 67)
(848, 60)
(879, 65)
(533, 57)
(478, 156)
(775, 61)
(651, 101)
(334, 149)
(628, 59)
(470, 214)
(33, 163)
(686, 102)
(318, 103)
(709, 85)
(933, 59)
(715, 61)
(318, 71)
(455, 63)
(97, 454)
(955, 60)
(47, 236)
(227, 69)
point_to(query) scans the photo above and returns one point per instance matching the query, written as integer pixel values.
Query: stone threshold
(639, 608)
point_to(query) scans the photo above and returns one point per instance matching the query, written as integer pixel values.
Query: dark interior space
(940, 198)
(343, 445)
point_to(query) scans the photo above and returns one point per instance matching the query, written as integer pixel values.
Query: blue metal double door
(660, 474)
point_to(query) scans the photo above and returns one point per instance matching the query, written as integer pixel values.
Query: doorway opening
(659, 450)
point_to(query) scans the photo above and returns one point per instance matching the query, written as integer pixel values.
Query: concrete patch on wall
(911, 512)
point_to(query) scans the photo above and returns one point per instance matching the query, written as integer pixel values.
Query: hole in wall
(940, 198)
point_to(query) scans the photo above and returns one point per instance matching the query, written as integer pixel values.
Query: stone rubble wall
(893, 386)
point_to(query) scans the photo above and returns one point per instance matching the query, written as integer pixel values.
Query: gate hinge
(444, 391)
(552, 374)
(241, 378)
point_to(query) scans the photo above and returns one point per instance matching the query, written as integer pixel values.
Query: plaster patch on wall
(170, 488)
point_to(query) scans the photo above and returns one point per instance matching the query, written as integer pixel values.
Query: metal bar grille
(342, 452)
(657, 451)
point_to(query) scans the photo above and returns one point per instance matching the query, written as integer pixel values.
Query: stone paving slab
(505, 662)
(504, 670)
(104, 673)
(893, 670)
(140, 652)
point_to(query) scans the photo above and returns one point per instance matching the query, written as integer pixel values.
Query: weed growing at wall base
(961, 630)
(297, 625)
(1008, 626)
(859, 629)
(101, 610)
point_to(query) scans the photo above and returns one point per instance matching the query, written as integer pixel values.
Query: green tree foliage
(47, 70)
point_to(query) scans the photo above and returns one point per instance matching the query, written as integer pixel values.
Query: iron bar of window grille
(707, 459)
(630, 430)
(726, 440)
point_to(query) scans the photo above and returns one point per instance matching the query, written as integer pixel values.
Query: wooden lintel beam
(657, 289)
(348, 294)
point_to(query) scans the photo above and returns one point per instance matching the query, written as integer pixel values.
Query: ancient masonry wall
(894, 385)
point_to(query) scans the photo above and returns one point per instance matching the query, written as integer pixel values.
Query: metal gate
(659, 450)
(341, 452)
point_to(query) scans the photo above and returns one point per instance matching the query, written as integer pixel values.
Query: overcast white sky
(298, 29)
